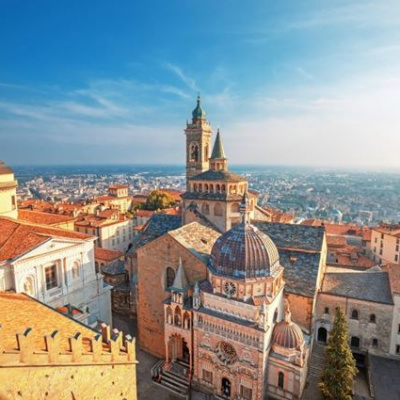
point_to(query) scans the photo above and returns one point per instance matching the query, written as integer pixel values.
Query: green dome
(198, 112)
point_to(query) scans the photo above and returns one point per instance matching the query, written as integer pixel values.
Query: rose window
(226, 353)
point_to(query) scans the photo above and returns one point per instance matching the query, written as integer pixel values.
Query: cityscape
(199, 200)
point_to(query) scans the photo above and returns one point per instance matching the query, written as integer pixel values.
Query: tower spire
(218, 160)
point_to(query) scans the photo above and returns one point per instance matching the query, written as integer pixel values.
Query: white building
(53, 265)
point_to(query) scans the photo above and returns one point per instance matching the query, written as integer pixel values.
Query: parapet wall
(107, 347)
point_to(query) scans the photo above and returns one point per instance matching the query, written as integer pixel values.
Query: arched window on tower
(177, 316)
(235, 207)
(218, 190)
(281, 380)
(218, 211)
(205, 187)
(200, 187)
(169, 277)
(223, 188)
(194, 152)
(205, 209)
(211, 188)
(354, 314)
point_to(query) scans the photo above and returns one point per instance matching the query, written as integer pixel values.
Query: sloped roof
(18, 237)
(156, 226)
(210, 175)
(292, 236)
(197, 238)
(218, 149)
(44, 218)
(368, 286)
(14, 309)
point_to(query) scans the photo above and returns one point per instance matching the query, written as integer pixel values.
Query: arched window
(195, 187)
(169, 277)
(194, 152)
(281, 380)
(177, 316)
(235, 207)
(372, 318)
(211, 188)
(223, 188)
(218, 211)
(354, 314)
(218, 188)
(205, 187)
(205, 209)
(200, 187)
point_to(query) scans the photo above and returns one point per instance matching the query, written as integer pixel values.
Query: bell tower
(198, 138)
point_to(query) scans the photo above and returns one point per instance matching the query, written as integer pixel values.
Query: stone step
(174, 380)
(172, 389)
(173, 375)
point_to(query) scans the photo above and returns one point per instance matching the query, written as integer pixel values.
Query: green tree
(158, 201)
(340, 368)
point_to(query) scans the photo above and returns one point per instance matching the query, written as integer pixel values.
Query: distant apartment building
(117, 198)
(385, 243)
(113, 230)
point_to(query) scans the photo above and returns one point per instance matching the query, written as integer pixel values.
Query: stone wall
(362, 327)
(66, 382)
(153, 260)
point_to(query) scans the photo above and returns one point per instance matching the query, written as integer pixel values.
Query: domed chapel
(234, 328)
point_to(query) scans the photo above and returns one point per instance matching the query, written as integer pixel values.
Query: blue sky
(287, 82)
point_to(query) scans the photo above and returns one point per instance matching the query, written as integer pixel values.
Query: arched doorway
(322, 334)
(185, 351)
(226, 388)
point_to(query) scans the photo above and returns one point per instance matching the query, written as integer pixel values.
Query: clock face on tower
(229, 288)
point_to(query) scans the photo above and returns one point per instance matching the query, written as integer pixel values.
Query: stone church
(226, 297)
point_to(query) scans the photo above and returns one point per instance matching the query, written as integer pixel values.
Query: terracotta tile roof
(105, 198)
(118, 187)
(389, 229)
(144, 213)
(18, 237)
(44, 218)
(106, 255)
(37, 205)
(14, 311)
(4, 169)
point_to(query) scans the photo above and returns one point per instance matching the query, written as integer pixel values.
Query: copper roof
(244, 252)
(288, 335)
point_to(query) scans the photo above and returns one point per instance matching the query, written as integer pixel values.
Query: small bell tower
(198, 137)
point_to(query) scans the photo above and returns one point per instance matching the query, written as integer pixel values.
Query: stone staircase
(315, 368)
(176, 378)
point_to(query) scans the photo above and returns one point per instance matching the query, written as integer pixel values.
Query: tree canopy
(158, 201)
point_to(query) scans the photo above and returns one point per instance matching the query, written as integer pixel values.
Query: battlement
(109, 346)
